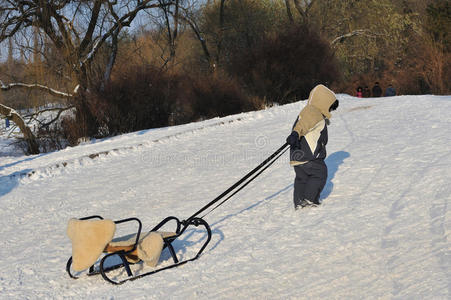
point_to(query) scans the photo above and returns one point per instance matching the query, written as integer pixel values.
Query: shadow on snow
(333, 162)
(9, 182)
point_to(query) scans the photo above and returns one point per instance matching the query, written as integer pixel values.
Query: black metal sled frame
(181, 227)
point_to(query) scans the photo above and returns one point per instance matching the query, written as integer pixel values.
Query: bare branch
(123, 21)
(304, 10)
(289, 13)
(192, 23)
(342, 38)
(6, 87)
(59, 110)
(93, 22)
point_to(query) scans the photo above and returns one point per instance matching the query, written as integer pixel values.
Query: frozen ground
(382, 231)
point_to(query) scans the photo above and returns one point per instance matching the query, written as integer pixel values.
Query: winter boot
(306, 203)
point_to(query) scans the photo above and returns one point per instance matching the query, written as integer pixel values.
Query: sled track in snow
(57, 167)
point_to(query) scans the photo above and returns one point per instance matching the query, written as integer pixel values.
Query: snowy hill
(381, 232)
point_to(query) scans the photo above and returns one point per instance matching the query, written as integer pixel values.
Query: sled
(93, 245)
(93, 242)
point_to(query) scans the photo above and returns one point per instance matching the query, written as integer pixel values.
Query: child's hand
(293, 139)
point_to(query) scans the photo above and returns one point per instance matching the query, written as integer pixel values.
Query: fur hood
(322, 98)
(319, 102)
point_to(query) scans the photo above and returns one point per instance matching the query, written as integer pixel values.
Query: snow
(382, 231)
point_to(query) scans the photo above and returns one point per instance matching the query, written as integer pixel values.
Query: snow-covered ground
(382, 231)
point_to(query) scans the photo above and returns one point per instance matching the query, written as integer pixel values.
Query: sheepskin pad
(149, 247)
(89, 238)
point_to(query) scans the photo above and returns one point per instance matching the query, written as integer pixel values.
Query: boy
(307, 142)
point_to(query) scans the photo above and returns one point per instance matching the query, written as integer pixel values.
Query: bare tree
(77, 30)
(188, 17)
(221, 30)
(171, 23)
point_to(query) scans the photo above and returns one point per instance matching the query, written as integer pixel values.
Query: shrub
(146, 97)
(136, 98)
(286, 65)
(213, 96)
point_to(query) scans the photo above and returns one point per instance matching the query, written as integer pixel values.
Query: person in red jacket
(359, 93)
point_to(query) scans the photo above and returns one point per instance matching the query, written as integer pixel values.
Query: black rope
(244, 185)
(248, 175)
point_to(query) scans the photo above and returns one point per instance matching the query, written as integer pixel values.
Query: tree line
(120, 66)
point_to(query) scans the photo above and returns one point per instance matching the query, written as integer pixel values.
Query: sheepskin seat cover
(89, 238)
(149, 247)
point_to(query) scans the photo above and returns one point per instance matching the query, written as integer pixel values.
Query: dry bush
(286, 65)
(150, 48)
(146, 97)
(137, 98)
(433, 67)
(51, 138)
(217, 95)
(72, 130)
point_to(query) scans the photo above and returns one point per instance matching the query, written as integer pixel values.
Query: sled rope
(244, 185)
(265, 164)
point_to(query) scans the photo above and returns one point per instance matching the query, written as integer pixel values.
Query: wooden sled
(92, 238)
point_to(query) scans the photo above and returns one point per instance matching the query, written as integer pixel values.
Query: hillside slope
(381, 232)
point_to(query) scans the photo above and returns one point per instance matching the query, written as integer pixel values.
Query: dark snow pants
(310, 180)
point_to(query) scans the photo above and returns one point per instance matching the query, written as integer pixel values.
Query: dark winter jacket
(311, 126)
(390, 92)
(376, 91)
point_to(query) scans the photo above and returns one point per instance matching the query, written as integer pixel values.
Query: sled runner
(94, 245)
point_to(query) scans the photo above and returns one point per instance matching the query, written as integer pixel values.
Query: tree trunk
(30, 139)
(289, 13)
(221, 31)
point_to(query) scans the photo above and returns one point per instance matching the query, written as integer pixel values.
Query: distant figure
(390, 91)
(359, 92)
(366, 92)
(376, 90)
(7, 123)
